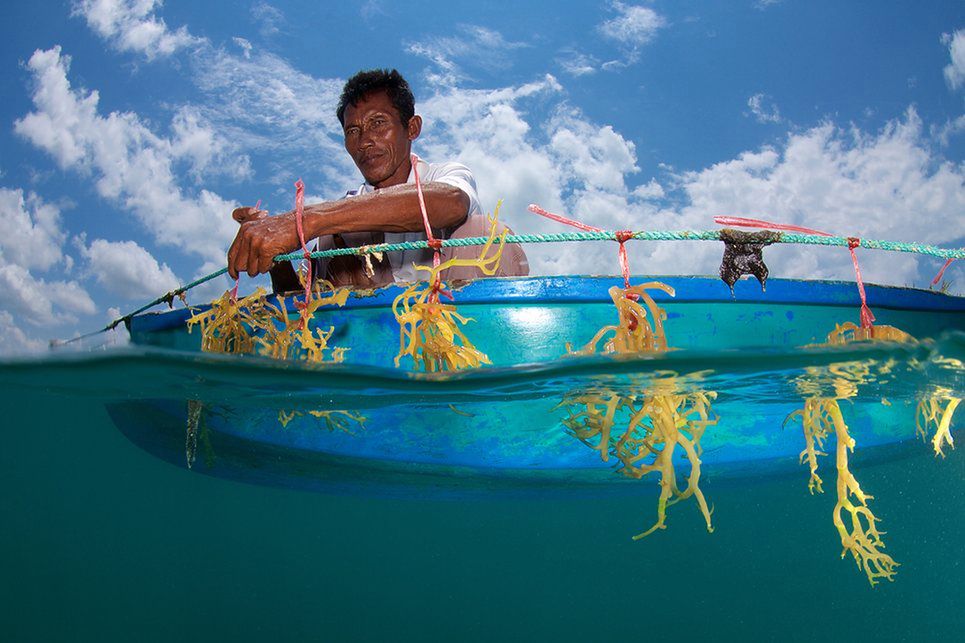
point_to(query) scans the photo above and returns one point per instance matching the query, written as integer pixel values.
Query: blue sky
(132, 128)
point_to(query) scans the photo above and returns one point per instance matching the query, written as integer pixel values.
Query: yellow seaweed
(659, 419)
(256, 324)
(226, 327)
(661, 424)
(635, 331)
(850, 332)
(285, 337)
(335, 420)
(938, 410)
(591, 418)
(822, 416)
(859, 535)
(430, 332)
(643, 431)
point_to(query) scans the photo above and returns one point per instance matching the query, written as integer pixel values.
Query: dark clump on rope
(744, 255)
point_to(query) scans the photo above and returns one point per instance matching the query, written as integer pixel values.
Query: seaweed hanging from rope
(636, 331)
(255, 324)
(430, 332)
(822, 417)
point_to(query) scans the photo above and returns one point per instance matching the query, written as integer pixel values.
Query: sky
(131, 128)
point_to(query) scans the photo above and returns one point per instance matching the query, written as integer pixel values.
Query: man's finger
(232, 253)
(238, 253)
(253, 251)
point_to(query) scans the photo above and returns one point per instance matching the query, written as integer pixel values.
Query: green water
(103, 542)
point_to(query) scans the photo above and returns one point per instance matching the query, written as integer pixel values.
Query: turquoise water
(105, 541)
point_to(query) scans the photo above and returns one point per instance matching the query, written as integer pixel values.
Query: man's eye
(352, 131)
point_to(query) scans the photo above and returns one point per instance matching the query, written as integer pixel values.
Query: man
(377, 113)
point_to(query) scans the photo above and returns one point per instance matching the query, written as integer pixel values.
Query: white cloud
(651, 190)
(130, 25)
(130, 164)
(473, 45)
(32, 243)
(761, 5)
(245, 45)
(38, 302)
(595, 158)
(633, 27)
(764, 109)
(886, 185)
(194, 140)
(955, 70)
(944, 133)
(13, 339)
(127, 270)
(576, 63)
(32, 230)
(565, 163)
(255, 101)
(268, 18)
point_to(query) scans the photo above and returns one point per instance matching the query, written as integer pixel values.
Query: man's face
(378, 141)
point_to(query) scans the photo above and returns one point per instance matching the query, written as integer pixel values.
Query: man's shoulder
(448, 168)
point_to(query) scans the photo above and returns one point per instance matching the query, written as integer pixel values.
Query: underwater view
(168, 494)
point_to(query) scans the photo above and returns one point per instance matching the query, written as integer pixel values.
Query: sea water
(109, 536)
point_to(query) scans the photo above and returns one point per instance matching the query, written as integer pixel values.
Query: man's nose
(366, 138)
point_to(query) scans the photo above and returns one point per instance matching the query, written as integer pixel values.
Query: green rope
(647, 235)
(559, 237)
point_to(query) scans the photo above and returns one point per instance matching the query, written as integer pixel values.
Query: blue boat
(366, 425)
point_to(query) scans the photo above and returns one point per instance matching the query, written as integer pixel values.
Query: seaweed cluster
(643, 430)
(853, 518)
(254, 324)
(821, 417)
(335, 420)
(429, 331)
(937, 409)
(635, 331)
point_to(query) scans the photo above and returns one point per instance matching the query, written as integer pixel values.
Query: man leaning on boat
(377, 113)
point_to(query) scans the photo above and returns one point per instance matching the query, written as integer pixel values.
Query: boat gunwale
(595, 289)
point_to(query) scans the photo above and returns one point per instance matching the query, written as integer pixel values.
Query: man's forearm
(394, 209)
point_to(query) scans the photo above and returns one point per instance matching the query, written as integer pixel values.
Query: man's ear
(415, 127)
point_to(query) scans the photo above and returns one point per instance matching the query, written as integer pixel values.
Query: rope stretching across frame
(559, 237)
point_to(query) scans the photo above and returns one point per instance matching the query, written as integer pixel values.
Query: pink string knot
(623, 235)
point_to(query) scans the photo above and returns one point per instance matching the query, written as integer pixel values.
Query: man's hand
(259, 240)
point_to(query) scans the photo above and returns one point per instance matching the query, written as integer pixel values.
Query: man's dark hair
(373, 80)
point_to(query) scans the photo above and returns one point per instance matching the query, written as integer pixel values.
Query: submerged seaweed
(820, 417)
